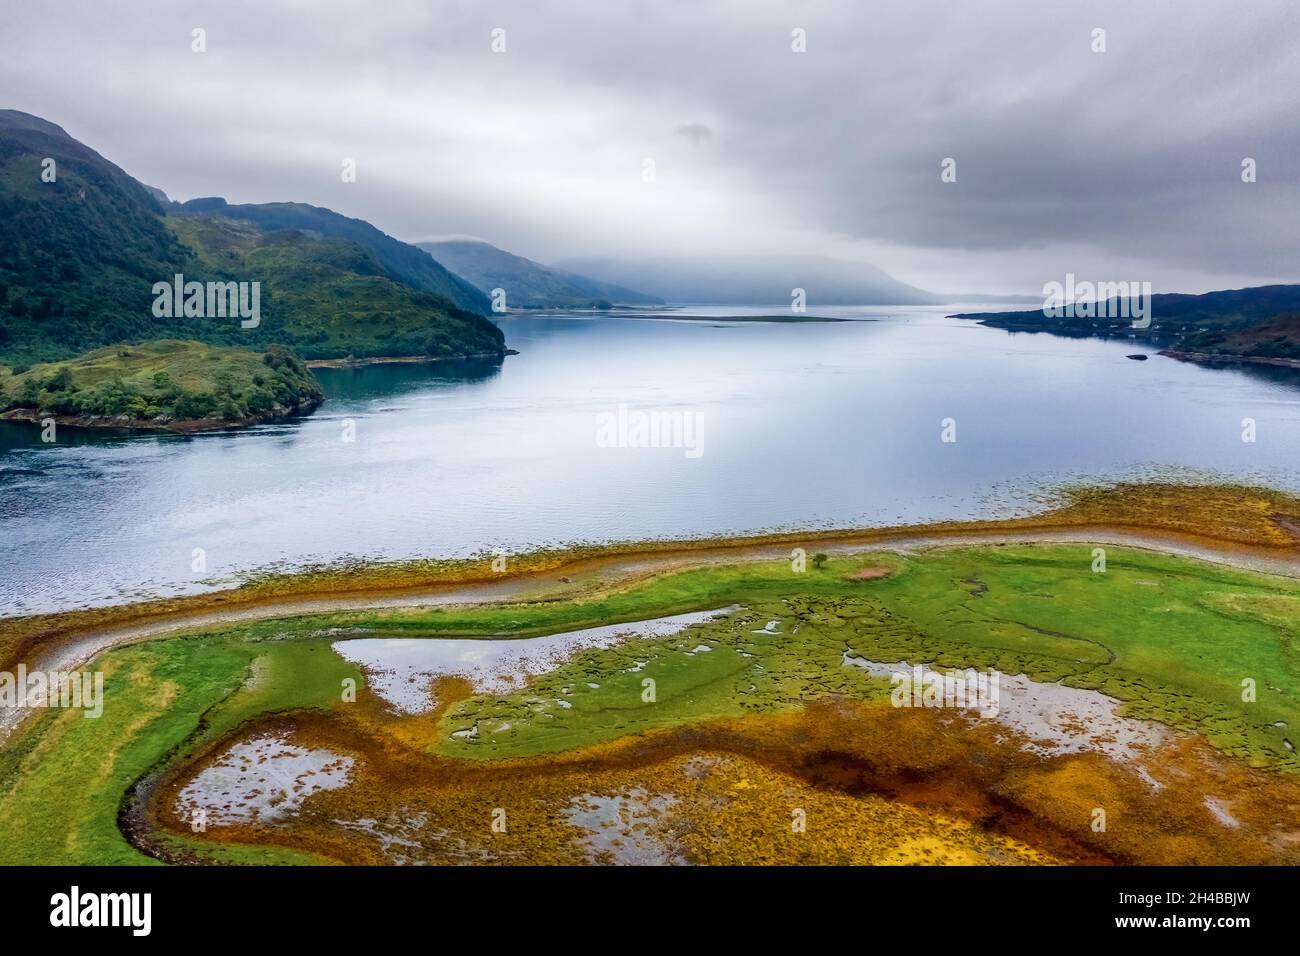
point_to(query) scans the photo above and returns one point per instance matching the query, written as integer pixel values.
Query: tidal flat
(749, 732)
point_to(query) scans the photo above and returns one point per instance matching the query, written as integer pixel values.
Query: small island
(165, 385)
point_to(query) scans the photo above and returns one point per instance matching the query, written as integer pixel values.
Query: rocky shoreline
(1217, 358)
(125, 423)
(403, 359)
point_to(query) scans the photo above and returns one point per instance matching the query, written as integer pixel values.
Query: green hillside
(407, 264)
(79, 255)
(1274, 338)
(327, 298)
(79, 258)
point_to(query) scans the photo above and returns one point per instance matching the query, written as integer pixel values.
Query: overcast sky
(1117, 165)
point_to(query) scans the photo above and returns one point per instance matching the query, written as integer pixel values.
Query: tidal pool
(619, 827)
(401, 669)
(261, 780)
(1057, 719)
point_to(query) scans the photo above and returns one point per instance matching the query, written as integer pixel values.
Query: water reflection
(374, 381)
(803, 426)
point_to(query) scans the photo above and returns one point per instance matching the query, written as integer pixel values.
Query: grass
(1172, 638)
(1184, 635)
(63, 781)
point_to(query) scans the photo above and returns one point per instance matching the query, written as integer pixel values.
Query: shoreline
(403, 359)
(1216, 358)
(122, 423)
(1271, 545)
(793, 318)
(190, 426)
(1138, 337)
(76, 648)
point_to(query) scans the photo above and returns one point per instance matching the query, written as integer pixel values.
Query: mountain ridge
(82, 248)
(404, 261)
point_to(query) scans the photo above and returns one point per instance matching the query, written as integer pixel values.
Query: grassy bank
(163, 695)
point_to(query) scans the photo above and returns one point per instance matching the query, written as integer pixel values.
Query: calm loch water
(798, 426)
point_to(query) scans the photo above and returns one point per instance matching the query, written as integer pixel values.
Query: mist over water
(802, 425)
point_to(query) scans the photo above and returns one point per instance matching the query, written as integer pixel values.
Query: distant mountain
(529, 284)
(79, 256)
(403, 262)
(765, 280)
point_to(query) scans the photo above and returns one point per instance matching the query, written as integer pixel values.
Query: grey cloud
(1127, 160)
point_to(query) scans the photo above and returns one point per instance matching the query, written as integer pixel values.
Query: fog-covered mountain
(758, 280)
(529, 284)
